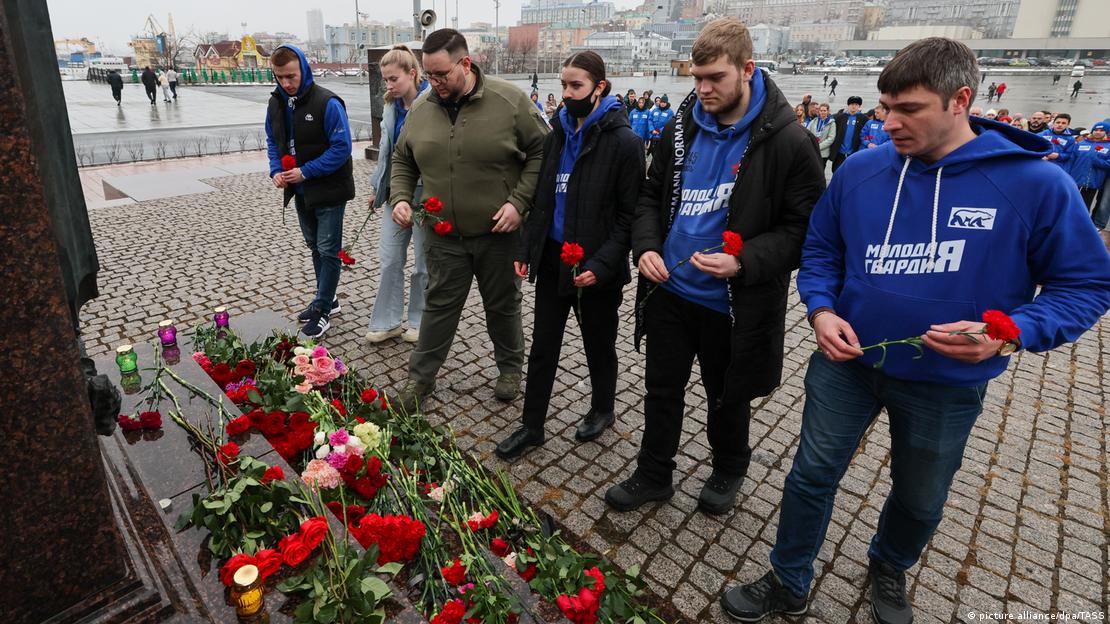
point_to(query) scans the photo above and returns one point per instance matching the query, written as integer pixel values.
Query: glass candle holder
(171, 355)
(167, 333)
(126, 359)
(247, 595)
(221, 317)
(131, 383)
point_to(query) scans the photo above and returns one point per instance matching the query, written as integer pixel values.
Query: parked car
(1098, 62)
(1019, 62)
(1078, 71)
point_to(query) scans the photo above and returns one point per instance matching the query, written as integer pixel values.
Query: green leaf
(266, 507)
(326, 615)
(303, 612)
(390, 568)
(376, 586)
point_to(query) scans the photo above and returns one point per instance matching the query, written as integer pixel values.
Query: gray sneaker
(508, 387)
(413, 396)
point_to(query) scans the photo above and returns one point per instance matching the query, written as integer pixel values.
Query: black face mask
(579, 109)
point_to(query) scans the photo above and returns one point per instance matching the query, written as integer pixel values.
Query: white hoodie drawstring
(932, 249)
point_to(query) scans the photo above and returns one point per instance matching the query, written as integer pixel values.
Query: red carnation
(150, 420)
(1098, 148)
(452, 613)
(736, 169)
(245, 368)
(273, 473)
(598, 577)
(1000, 326)
(528, 573)
(734, 244)
(294, 550)
(432, 204)
(288, 162)
(336, 508)
(345, 258)
(443, 228)
(272, 423)
(127, 423)
(228, 452)
(238, 426)
(500, 547)
(368, 395)
(339, 407)
(354, 512)
(572, 254)
(454, 574)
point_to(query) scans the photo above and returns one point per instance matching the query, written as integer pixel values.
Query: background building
(227, 55)
(809, 37)
(343, 42)
(556, 41)
(577, 12)
(787, 12)
(768, 41)
(952, 31)
(625, 52)
(1063, 18)
(315, 25)
(995, 18)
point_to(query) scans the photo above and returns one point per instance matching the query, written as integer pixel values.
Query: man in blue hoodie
(1061, 139)
(733, 158)
(1090, 161)
(873, 133)
(917, 239)
(308, 124)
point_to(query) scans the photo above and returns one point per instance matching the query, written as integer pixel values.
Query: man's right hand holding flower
(835, 336)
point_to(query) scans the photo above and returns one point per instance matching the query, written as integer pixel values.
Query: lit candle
(126, 359)
(247, 595)
(221, 317)
(167, 333)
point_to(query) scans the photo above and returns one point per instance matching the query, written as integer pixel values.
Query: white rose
(319, 438)
(323, 451)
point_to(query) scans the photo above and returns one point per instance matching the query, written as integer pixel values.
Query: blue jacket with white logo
(1089, 162)
(659, 118)
(1061, 144)
(950, 252)
(640, 120)
(873, 133)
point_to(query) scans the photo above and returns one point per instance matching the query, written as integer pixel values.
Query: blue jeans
(1102, 209)
(393, 247)
(322, 228)
(929, 426)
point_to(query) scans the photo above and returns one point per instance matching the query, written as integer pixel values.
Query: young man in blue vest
(309, 123)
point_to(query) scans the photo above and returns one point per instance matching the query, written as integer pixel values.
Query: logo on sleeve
(971, 218)
(309, 117)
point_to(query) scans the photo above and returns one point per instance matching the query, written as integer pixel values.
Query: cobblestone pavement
(1026, 526)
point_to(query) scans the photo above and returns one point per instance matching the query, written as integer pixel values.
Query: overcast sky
(113, 22)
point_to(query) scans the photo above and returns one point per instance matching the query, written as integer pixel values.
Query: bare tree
(222, 143)
(160, 150)
(112, 152)
(358, 129)
(260, 139)
(200, 146)
(242, 140)
(136, 150)
(85, 155)
(182, 149)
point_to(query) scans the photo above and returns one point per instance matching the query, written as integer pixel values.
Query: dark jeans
(837, 160)
(322, 228)
(117, 94)
(929, 425)
(599, 338)
(151, 94)
(453, 263)
(173, 88)
(1089, 196)
(1101, 214)
(677, 332)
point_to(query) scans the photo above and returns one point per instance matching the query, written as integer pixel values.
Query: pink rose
(303, 388)
(301, 360)
(324, 365)
(302, 369)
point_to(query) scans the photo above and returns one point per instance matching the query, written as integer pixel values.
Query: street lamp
(497, 35)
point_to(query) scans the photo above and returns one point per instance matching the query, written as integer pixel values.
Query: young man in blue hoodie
(735, 159)
(309, 123)
(917, 239)
(873, 133)
(1090, 160)
(1061, 139)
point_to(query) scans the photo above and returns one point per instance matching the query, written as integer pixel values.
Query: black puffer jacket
(779, 182)
(601, 200)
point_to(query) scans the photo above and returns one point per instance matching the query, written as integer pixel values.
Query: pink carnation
(318, 473)
(337, 460)
(339, 438)
(319, 351)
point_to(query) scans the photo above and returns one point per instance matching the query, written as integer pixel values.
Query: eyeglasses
(441, 77)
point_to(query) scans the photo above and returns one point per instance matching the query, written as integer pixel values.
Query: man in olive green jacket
(476, 142)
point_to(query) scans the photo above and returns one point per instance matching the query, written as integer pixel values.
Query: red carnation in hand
(228, 452)
(273, 473)
(288, 162)
(443, 228)
(346, 258)
(500, 547)
(734, 244)
(454, 574)
(736, 169)
(432, 204)
(1000, 326)
(572, 254)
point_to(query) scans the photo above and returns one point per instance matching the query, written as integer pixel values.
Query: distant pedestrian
(535, 81)
(116, 82)
(825, 81)
(171, 75)
(983, 78)
(1075, 88)
(1055, 79)
(832, 87)
(150, 83)
(164, 82)
(991, 91)
(654, 74)
(999, 91)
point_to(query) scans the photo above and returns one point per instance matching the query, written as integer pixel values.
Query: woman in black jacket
(589, 183)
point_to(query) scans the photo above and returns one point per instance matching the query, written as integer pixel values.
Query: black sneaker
(635, 491)
(306, 314)
(888, 595)
(316, 326)
(718, 495)
(755, 601)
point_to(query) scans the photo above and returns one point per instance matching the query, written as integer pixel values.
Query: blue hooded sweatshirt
(1089, 162)
(867, 256)
(572, 144)
(640, 120)
(1061, 144)
(336, 128)
(707, 181)
(659, 118)
(873, 133)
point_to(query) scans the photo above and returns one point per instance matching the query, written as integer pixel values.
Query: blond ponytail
(401, 56)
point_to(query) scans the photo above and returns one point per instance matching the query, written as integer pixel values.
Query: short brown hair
(728, 36)
(446, 39)
(282, 56)
(942, 66)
